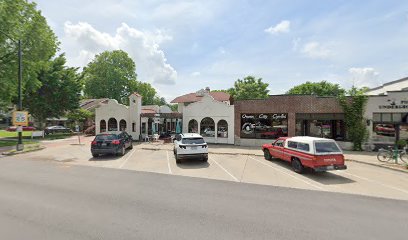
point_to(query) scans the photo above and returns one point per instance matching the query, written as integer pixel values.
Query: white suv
(190, 145)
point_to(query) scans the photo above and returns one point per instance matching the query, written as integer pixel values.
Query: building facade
(261, 120)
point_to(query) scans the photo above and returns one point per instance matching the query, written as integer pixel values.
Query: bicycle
(385, 155)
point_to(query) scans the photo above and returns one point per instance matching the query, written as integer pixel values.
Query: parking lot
(357, 179)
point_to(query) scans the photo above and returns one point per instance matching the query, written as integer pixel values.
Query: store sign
(393, 104)
(20, 118)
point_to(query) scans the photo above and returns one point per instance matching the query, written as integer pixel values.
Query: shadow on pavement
(106, 157)
(326, 178)
(193, 164)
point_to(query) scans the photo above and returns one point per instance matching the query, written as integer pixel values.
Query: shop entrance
(320, 125)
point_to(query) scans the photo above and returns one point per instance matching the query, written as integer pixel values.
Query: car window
(292, 144)
(105, 137)
(326, 147)
(192, 141)
(303, 147)
(279, 143)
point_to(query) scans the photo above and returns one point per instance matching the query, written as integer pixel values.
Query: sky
(183, 46)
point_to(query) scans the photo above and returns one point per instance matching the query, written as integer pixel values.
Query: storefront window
(112, 125)
(122, 125)
(384, 133)
(386, 117)
(264, 126)
(320, 128)
(207, 127)
(403, 132)
(222, 129)
(193, 126)
(102, 126)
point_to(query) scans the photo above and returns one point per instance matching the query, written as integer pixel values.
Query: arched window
(102, 126)
(122, 125)
(112, 124)
(193, 126)
(207, 127)
(222, 129)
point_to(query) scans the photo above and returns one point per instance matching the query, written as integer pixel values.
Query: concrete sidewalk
(360, 157)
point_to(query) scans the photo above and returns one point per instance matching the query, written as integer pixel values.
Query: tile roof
(90, 104)
(193, 97)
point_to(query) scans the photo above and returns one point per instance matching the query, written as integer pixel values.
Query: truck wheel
(267, 154)
(297, 165)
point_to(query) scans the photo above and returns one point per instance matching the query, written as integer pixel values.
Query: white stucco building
(209, 114)
(116, 117)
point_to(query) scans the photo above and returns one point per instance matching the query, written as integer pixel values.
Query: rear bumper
(195, 155)
(104, 151)
(330, 168)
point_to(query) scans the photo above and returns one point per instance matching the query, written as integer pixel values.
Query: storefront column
(291, 124)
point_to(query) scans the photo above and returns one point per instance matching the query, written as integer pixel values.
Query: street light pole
(20, 145)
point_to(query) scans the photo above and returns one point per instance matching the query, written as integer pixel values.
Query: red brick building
(258, 121)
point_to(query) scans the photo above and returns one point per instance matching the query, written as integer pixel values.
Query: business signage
(20, 118)
(393, 104)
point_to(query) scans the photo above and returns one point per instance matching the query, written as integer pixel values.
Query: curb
(16, 153)
(376, 165)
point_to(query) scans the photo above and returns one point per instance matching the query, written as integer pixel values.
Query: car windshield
(192, 141)
(326, 147)
(105, 137)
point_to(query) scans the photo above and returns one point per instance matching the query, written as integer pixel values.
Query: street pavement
(358, 179)
(50, 200)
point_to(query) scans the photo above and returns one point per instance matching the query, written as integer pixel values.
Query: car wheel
(95, 155)
(131, 146)
(122, 151)
(267, 154)
(205, 158)
(297, 165)
(177, 158)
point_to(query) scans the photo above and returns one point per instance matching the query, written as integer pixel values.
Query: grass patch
(14, 143)
(27, 148)
(7, 134)
(57, 136)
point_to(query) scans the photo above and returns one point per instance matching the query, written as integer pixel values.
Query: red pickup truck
(319, 154)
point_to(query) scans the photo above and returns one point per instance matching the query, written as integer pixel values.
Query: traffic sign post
(20, 119)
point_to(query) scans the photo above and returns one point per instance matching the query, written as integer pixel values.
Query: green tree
(59, 92)
(322, 88)
(79, 115)
(20, 20)
(112, 74)
(249, 88)
(353, 105)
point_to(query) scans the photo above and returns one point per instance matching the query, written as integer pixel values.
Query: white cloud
(143, 47)
(195, 74)
(364, 77)
(282, 27)
(316, 50)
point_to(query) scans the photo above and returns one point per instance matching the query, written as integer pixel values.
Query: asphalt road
(48, 200)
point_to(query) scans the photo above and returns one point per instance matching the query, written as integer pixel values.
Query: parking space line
(376, 182)
(168, 162)
(126, 159)
(288, 174)
(225, 170)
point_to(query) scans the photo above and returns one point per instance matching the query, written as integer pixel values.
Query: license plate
(193, 148)
(103, 144)
(330, 167)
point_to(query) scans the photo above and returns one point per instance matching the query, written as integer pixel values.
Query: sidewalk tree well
(353, 105)
(249, 88)
(58, 93)
(21, 20)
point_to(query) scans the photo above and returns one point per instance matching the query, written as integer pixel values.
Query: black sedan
(111, 143)
(56, 129)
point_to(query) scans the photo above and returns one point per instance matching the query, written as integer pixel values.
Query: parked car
(25, 128)
(190, 145)
(111, 143)
(319, 154)
(56, 129)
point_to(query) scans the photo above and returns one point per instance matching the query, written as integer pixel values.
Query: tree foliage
(353, 105)
(59, 92)
(20, 20)
(322, 88)
(112, 74)
(79, 115)
(249, 88)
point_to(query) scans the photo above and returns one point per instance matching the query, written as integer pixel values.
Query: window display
(264, 125)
